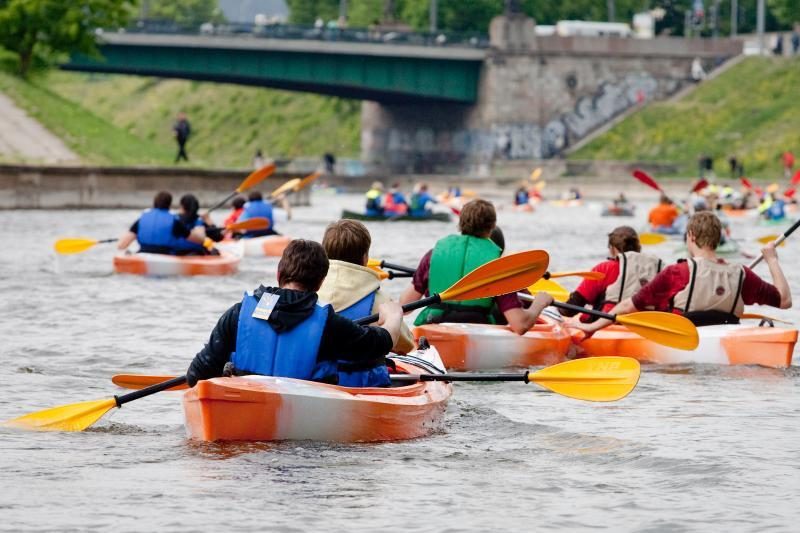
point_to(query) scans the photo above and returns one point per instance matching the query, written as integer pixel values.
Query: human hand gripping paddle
(669, 329)
(76, 245)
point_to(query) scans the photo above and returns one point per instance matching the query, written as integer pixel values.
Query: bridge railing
(290, 31)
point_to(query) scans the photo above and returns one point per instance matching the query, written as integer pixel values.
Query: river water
(692, 449)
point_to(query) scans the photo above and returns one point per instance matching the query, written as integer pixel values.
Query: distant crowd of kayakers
(393, 203)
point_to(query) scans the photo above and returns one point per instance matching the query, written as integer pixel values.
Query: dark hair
(163, 200)
(478, 218)
(238, 202)
(498, 238)
(190, 206)
(255, 195)
(347, 240)
(624, 239)
(305, 263)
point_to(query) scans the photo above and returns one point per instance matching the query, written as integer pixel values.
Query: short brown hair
(477, 218)
(347, 240)
(163, 200)
(305, 263)
(624, 239)
(706, 229)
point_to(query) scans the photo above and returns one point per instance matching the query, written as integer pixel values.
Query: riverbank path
(24, 140)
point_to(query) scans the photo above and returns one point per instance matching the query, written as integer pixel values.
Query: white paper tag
(265, 306)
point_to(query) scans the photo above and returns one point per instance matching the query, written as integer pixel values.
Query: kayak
(775, 221)
(440, 217)
(266, 246)
(618, 211)
(266, 408)
(738, 213)
(144, 264)
(567, 203)
(484, 346)
(730, 344)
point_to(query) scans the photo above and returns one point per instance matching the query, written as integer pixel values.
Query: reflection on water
(693, 448)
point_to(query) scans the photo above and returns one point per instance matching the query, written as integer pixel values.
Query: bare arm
(521, 320)
(390, 318)
(410, 295)
(126, 240)
(623, 308)
(778, 279)
(198, 234)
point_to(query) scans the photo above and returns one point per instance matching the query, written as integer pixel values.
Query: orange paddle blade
(652, 238)
(507, 274)
(256, 177)
(140, 381)
(72, 417)
(286, 187)
(249, 224)
(308, 180)
(585, 275)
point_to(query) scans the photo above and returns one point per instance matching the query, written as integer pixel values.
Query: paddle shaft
(147, 391)
(570, 307)
(223, 202)
(425, 302)
(777, 242)
(413, 378)
(399, 268)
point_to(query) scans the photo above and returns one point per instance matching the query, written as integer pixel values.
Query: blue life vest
(257, 209)
(776, 210)
(154, 232)
(376, 376)
(185, 245)
(521, 198)
(291, 354)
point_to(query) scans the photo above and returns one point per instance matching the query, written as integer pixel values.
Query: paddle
(649, 239)
(777, 242)
(501, 276)
(536, 174)
(796, 178)
(647, 180)
(547, 275)
(76, 245)
(700, 185)
(383, 264)
(254, 178)
(599, 379)
(746, 183)
(756, 316)
(766, 239)
(286, 187)
(668, 329)
(557, 291)
(308, 180)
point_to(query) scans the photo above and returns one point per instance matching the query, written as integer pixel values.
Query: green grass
(91, 137)
(229, 122)
(752, 110)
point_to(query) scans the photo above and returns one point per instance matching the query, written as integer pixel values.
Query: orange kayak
(145, 264)
(266, 246)
(265, 408)
(721, 345)
(482, 346)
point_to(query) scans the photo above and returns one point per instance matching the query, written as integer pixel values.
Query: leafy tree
(307, 11)
(787, 12)
(185, 13)
(43, 29)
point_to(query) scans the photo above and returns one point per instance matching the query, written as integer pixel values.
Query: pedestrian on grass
(182, 130)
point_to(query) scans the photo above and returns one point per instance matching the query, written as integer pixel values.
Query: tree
(787, 12)
(44, 29)
(185, 13)
(307, 11)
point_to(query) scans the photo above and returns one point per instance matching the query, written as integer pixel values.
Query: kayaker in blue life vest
(354, 292)
(257, 207)
(286, 331)
(455, 256)
(394, 202)
(420, 201)
(189, 216)
(521, 197)
(374, 204)
(158, 231)
(772, 208)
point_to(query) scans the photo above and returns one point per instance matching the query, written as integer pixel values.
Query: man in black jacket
(285, 331)
(182, 130)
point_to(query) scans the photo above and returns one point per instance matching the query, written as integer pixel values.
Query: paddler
(188, 215)
(158, 231)
(374, 207)
(354, 292)
(705, 288)
(625, 258)
(257, 207)
(394, 203)
(455, 256)
(287, 331)
(421, 201)
(521, 197)
(662, 217)
(236, 212)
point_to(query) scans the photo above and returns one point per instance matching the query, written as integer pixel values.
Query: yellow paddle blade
(256, 177)
(557, 291)
(668, 329)
(73, 246)
(756, 316)
(374, 263)
(382, 274)
(249, 224)
(540, 185)
(766, 239)
(773, 188)
(585, 275)
(140, 381)
(286, 187)
(536, 174)
(308, 180)
(651, 238)
(72, 417)
(595, 379)
(510, 273)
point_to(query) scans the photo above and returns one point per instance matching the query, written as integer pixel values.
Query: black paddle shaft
(466, 376)
(425, 302)
(588, 311)
(147, 391)
(223, 202)
(777, 242)
(399, 268)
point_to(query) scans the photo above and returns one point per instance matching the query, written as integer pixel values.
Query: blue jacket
(257, 209)
(155, 232)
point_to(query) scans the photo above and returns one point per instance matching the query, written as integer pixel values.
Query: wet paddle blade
(646, 179)
(536, 174)
(510, 273)
(140, 381)
(585, 275)
(766, 239)
(700, 185)
(650, 239)
(72, 417)
(668, 329)
(595, 379)
(73, 246)
(286, 187)
(256, 177)
(746, 183)
(557, 291)
(249, 225)
(308, 180)
(540, 185)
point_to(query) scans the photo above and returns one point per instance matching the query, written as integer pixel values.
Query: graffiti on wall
(425, 149)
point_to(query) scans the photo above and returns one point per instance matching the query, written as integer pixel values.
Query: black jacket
(342, 339)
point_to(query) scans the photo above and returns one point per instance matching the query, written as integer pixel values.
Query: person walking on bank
(182, 130)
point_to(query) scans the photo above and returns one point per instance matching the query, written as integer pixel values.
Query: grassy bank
(752, 111)
(229, 122)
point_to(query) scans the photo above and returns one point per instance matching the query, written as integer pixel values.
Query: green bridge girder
(384, 78)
